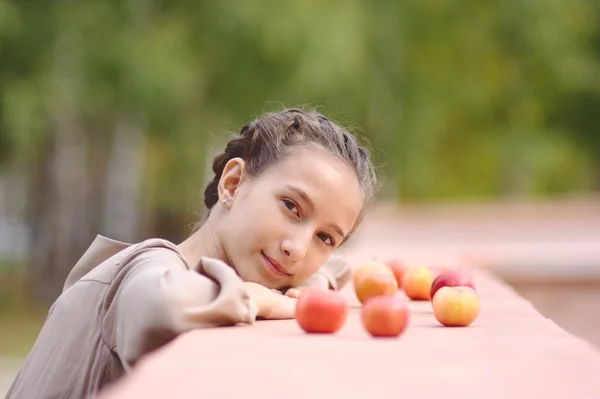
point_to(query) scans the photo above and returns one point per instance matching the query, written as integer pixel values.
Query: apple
(456, 306)
(369, 285)
(452, 279)
(398, 269)
(371, 266)
(321, 311)
(385, 316)
(440, 269)
(417, 283)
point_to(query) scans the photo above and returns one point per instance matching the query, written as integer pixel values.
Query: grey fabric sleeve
(334, 274)
(160, 298)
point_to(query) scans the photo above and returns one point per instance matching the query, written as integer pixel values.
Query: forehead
(330, 183)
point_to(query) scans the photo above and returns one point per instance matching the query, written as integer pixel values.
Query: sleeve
(334, 274)
(160, 299)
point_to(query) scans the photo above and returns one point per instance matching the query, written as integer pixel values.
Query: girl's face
(283, 225)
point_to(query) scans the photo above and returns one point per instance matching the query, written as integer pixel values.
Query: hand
(271, 304)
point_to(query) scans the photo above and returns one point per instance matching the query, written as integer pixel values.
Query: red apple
(398, 268)
(321, 311)
(456, 306)
(417, 283)
(385, 316)
(452, 279)
(369, 285)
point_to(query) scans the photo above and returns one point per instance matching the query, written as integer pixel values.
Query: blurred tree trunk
(121, 217)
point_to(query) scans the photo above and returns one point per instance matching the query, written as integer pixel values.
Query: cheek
(258, 226)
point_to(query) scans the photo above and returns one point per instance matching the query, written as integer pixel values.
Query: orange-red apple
(385, 316)
(417, 283)
(398, 268)
(456, 306)
(452, 279)
(441, 269)
(369, 285)
(371, 266)
(321, 311)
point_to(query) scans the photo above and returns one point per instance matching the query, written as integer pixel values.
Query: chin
(255, 272)
(269, 283)
(250, 272)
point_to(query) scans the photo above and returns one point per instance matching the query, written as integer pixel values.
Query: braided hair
(265, 140)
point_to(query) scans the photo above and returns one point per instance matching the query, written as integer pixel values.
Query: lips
(275, 267)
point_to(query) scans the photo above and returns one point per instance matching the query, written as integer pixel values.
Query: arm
(160, 298)
(272, 304)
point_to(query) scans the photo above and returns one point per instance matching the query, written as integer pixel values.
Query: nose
(296, 246)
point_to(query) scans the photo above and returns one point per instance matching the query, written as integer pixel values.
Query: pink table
(510, 351)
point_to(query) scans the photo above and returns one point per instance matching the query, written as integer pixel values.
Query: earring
(224, 201)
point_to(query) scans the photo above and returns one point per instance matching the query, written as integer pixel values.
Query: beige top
(122, 301)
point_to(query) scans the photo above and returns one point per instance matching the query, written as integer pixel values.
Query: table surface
(510, 351)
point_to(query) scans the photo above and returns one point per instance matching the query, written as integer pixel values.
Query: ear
(233, 175)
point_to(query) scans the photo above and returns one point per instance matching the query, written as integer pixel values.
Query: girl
(288, 191)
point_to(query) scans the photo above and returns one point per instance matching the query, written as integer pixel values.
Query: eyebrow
(311, 204)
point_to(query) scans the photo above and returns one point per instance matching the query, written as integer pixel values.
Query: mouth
(274, 267)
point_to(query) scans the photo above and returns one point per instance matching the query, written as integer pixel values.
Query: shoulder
(153, 250)
(155, 243)
(151, 257)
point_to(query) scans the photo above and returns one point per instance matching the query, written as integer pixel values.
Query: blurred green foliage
(460, 99)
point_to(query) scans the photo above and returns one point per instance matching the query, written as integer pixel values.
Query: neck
(203, 243)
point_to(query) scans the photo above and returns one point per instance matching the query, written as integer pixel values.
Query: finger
(293, 292)
(218, 269)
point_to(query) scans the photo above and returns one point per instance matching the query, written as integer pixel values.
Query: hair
(266, 140)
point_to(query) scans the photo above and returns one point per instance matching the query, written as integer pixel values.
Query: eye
(326, 239)
(291, 205)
